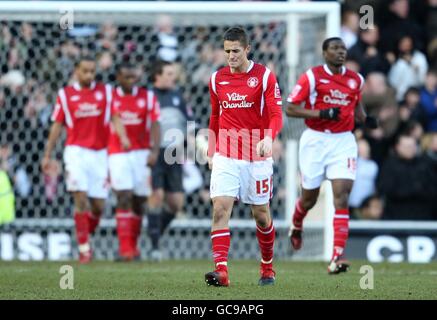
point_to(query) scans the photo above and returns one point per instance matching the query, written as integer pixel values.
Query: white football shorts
(250, 182)
(87, 171)
(326, 155)
(129, 171)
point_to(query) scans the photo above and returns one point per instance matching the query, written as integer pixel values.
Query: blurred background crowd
(397, 165)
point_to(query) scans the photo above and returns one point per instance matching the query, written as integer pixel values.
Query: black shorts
(166, 176)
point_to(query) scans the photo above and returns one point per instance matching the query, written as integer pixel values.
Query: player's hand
(209, 163)
(371, 122)
(330, 114)
(125, 143)
(264, 147)
(153, 158)
(45, 164)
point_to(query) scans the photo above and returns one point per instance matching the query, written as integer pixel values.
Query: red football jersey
(137, 112)
(86, 113)
(245, 107)
(320, 89)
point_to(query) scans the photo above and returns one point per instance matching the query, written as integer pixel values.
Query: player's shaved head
(236, 34)
(84, 59)
(327, 42)
(127, 76)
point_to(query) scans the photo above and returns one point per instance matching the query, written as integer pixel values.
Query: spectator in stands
(168, 46)
(350, 24)
(395, 22)
(371, 209)
(404, 183)
(428, 101)
(410, 68)
(367, 172)
(17, 174)
(367, 53)
(410, 108)
(429, 146)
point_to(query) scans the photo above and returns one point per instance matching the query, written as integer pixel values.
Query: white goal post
(292, 14)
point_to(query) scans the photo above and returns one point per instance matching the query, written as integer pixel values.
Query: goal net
(39, 44)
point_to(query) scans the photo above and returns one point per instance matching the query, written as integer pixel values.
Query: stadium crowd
(397, 165)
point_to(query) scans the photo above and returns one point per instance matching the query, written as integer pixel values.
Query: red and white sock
(82, 231)
(341, 231)
(136, 222)
(93, 222)
(266, 241)
(299, 215)
(221, 241)
(124, 230)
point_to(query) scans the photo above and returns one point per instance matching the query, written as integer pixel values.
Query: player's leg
(155, 203)
(174, 204)
(312, 168)
(257, 190)
(138, 206)
(76, 161)
(341, 171)
(224, 188)
(124, 217)
(81, 211)
(303, 204)
(265, 233)
(341, 189)
(122, 182)
(221, 240)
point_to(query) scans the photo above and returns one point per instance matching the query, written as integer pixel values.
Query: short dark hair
(83, 58)
(158, 68)
(236, 34)
(125, 65)
(326, 42)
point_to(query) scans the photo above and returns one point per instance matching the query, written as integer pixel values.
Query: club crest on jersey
(141, 103)
(98, 95)
(352, 84)
(252, 82)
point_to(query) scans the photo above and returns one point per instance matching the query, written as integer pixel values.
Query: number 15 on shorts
(264, 186)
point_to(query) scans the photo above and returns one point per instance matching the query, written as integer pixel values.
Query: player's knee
(341, 200)
(219, 213)
(124, 200)
(81, 203)
(308, 203)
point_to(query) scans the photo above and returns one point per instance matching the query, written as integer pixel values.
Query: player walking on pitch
(331, 96)
(245, 118)
(133, 148)
(84, 108)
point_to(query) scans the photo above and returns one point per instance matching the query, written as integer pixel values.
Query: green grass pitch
(184, 280)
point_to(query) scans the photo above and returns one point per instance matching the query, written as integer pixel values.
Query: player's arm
(121, 131)
(58, 118)
(360, 113)
(55, 132)
(273, 102)
(299, 95)
(155, 134)
(213, 124)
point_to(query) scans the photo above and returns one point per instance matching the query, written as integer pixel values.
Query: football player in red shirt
(84, 109)
(246, 117)
(331, 96)
(133, 148)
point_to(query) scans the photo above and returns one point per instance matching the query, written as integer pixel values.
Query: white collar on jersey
(325, 67)
(77, 86)
(250, 66)
(120, 91)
